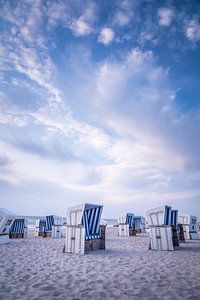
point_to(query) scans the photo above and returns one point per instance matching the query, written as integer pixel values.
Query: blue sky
(99, 102)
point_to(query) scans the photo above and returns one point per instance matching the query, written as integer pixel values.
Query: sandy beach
(36, 268)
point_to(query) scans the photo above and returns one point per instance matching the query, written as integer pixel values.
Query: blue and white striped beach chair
(83, 228)
(163, 228)
(18, 229)
(130, 220)
(126, 225)
(139, 223)
(53, 226)
(40, 227)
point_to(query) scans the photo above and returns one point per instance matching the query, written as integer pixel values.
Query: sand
(36, 268)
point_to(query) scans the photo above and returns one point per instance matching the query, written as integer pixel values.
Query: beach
(36, 268)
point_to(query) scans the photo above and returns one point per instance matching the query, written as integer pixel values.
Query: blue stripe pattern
(18, 226)
(130, 220)
(91, 221)
(167, 216)
(49, 222)
(137, 222)
(42, 226)
(174, 217)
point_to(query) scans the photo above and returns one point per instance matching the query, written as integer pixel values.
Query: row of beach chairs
(84, 231)
(168, 228)
(51, 226)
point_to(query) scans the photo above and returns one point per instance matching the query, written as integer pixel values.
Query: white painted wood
(186, 232)
(25, 232)
(123, 230)
(155, 216)
(57, 220)
(161, 238)
(75, 239)
(193, 224)
(6, 223)
(63, 231)
(122, 219)
(56, 231)
(36, 231)
(183, 218)
(74, 214)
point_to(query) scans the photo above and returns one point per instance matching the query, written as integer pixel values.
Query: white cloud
(11, 114)
(165, 16)
(25, 167)
(106, 36)
(138, 57)
(135, 100)
(60, 120)
(81, 27)
(121, 18)
(192, 31)
(58, 13)
(84, 24)
(39, 70)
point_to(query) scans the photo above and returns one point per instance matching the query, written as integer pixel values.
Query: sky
(99, 103)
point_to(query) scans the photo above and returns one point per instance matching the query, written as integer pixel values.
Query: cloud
(58, 13)
(166, 16)
(81, 27)
(121, 18)
(110, 129)
(39, 70)
(25, 51)
(138, 57)
(10, 114)
(60, 120)
(106, 36)
(128, 95)
(192, 31)
(84, 24)
(4, 161)
(61, 13)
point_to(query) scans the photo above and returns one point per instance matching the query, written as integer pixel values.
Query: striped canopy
(49, 222)
(130, 220)
(42, 226)
(137, 222)
(18, 226)
(174, 217)
(91, 221)
(167, 215)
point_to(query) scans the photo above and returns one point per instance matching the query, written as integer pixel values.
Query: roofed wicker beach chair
(84, 232)
(126, 225)
(163, 222)
(53, 226)
(140, 226)
(18, 229)
(40, 227)
(188, 225)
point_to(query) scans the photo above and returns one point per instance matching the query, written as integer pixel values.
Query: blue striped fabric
(49, 222)
(18, 226)
(167, 216)
(91, 221)
(130, 220)
(42, 226)
(174, 217)
(137, 222)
